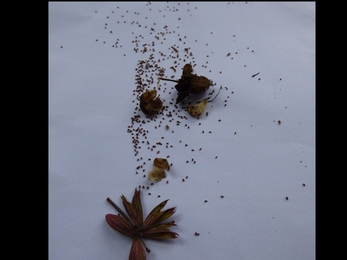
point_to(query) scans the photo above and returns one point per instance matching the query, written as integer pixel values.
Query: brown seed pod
(149, 103)
(162, 163)
(156, 174)
(190, 83)
(198, 108)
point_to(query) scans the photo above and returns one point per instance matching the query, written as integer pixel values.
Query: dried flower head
(149, 103)
(190, 83)
(133, 225)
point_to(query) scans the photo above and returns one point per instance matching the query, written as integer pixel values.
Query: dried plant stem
(173, 80)
(119, 210)
(216, 95)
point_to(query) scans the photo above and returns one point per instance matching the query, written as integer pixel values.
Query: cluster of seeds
(159, 57)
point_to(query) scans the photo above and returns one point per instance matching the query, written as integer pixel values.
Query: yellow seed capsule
(198, 108)
(156, 174)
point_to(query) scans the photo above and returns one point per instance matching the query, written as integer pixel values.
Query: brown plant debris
(133, 225)
(162, 163)
(198, 108)
(156, 174)
(158, 171)
(149, 103)
(190, 83)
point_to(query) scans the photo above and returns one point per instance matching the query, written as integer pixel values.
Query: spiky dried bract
(149, 103)
(156, 174)
(198, 108)
(134, 226)
(162, 163)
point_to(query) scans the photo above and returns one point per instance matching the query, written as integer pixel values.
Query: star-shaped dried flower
(133, 225)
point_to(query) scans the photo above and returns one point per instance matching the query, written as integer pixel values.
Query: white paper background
(91, 155)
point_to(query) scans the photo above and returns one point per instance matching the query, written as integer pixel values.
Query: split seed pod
(162, 163)
(156, 174)
(158, 171)
(149, 103)
(198, 108)
(190, 83)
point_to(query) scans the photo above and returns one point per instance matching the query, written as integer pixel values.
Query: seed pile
(163, 51)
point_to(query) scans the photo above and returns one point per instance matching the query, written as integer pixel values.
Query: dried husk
(198, 108)
(162, 163)
(149, 103)
(156, 174)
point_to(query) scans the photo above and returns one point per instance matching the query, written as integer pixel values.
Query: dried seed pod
(149, 103)
(190, 83)
(156, 174)
(198, 108)
(162, 163)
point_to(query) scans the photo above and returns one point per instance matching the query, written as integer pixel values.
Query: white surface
(91, 155)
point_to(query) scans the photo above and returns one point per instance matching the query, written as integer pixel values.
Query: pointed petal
(154, 211)
(136, 202)
(120, 224)
(134, 209)
(137, 252)
(165, 226)
(157, 218)
(154, 234)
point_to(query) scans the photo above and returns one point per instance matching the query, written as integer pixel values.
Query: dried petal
(156, 174)
(165, 226)
(158, 218)
(156, 215)
(137, 252)
(159, 234)
(120, 224)
(134, 209)
(149, 103)
(187, 70)
(162, 163)
(198, 108)
(138, 205)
